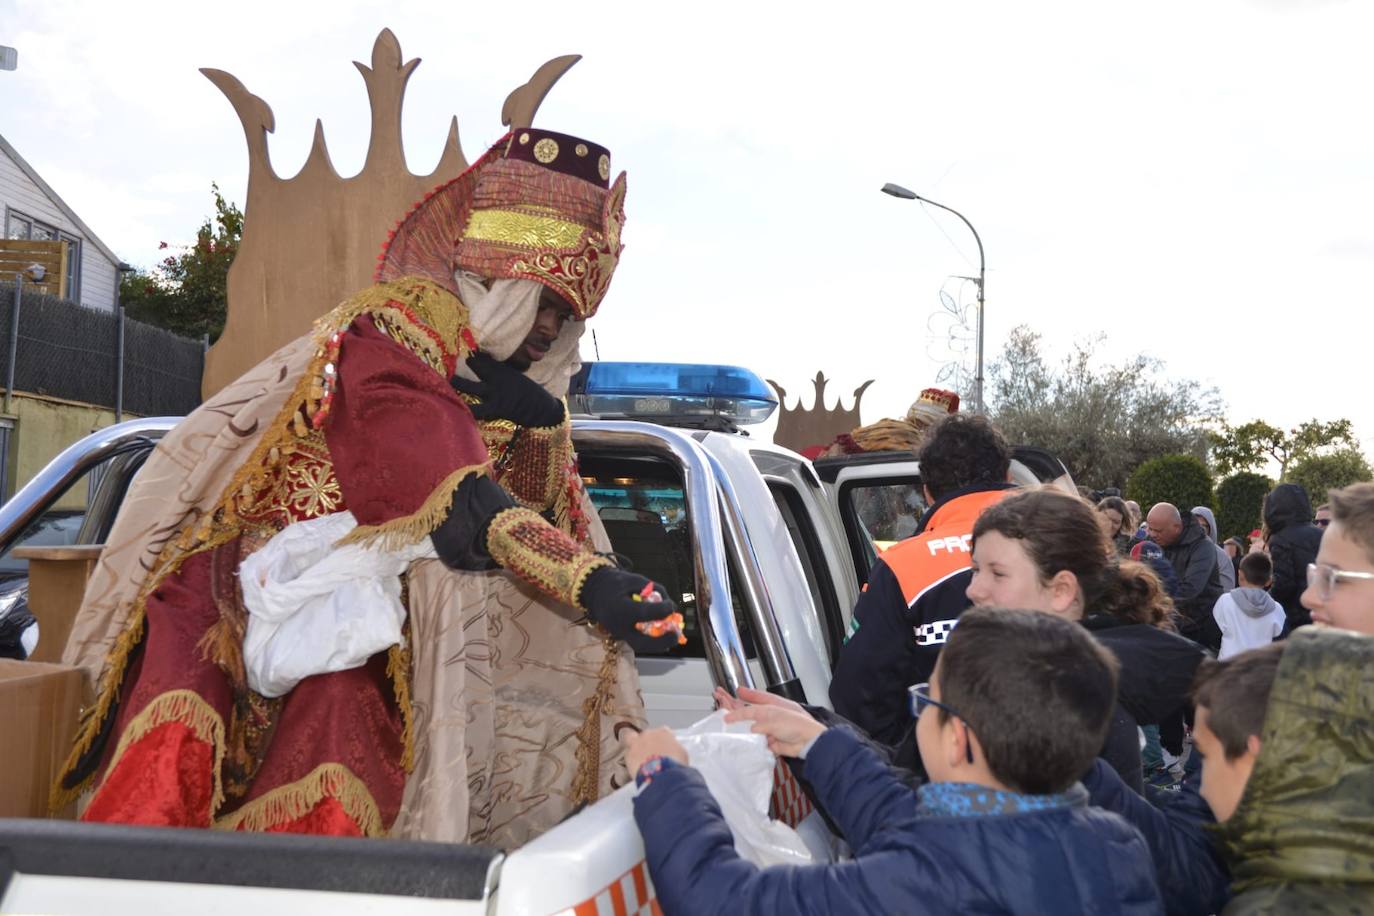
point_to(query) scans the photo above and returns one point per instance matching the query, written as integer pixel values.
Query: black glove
(507, 394)
(608, 595)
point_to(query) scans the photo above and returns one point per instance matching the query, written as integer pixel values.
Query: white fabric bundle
(314, 607)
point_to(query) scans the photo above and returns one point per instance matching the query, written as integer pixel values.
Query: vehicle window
(642, 505)
(54, 528)
(878, 512)
(808, 546)
(59, 526)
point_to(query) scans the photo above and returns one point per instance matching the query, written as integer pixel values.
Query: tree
(1246, 447)
(1240, 504)
(186, 292)
(1319, 473)
(1102, 421)
(1179, 479)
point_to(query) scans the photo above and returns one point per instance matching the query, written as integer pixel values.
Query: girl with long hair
(1045, 550)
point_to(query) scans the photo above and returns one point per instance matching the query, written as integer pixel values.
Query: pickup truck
(764, 552)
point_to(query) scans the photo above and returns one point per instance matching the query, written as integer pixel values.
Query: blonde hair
(1353, 508)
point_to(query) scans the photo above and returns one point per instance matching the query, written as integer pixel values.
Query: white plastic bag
(314, 608)
(738, 769)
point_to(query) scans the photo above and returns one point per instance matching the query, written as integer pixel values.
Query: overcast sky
(1193, 179)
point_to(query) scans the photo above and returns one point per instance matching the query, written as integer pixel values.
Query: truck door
(879, 499)
(657, 495)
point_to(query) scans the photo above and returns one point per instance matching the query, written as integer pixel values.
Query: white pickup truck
(764, 551)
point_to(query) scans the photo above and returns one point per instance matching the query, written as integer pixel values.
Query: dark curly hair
(1060, 532)
(963, 450)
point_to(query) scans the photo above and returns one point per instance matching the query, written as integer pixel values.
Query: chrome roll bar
(48, 485)
(777, 664)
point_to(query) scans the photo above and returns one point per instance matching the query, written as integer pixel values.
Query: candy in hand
(673, 623)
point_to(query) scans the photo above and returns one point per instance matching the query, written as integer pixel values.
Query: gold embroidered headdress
(538, 206)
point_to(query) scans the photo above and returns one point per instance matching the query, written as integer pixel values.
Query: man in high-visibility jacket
(915, 592)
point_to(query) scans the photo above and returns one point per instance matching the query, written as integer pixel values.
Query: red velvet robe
(328, 757)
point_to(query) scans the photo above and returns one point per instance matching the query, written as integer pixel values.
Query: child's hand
(788, 730)
(656, 742)
(748, 696)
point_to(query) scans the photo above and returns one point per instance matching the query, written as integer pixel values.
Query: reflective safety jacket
(913, 599)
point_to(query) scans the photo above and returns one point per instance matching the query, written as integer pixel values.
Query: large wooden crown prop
(311, 241)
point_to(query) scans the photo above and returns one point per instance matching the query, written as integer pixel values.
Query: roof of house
(28, 170)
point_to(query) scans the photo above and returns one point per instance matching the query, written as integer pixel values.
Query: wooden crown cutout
(312, 240)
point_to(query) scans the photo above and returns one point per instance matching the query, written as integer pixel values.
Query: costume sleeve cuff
(522, 542)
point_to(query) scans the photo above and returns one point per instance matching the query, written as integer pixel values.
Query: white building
(31, 209)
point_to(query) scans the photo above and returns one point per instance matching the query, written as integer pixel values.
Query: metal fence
(66, 351)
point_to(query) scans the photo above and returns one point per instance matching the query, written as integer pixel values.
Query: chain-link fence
(66, 351)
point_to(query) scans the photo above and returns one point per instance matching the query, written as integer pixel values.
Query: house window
(19, 226)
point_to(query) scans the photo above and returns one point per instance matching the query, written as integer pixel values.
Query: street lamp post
(897, 190)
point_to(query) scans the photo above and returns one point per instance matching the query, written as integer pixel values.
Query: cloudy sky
(1193, 180)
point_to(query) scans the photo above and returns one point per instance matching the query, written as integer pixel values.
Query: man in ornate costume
(411, 454)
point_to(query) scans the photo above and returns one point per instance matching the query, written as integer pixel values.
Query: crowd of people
(1087, 709)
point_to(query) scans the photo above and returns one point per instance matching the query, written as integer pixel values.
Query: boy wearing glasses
(1340, 584)
(1017, 709)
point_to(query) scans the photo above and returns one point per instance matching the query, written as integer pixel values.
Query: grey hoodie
(1225, 568)
(1253, 602)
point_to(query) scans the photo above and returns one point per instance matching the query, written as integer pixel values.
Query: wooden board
(18, 255)
(57, 581)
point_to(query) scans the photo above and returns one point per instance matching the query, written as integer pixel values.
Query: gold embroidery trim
(294, 801)
(561, 578)
(525, 230)
(413, 528)
(189, 709)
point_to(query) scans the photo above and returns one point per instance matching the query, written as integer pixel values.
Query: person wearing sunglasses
(1015, 711)
(1340, 583)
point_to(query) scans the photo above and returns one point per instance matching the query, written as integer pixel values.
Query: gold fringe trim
(586, 785)
(398, 669)
(188, 708)
(294, 801)
(412, 528)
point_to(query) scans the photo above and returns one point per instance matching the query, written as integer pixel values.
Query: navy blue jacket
(1070, 859)
(1191, 874)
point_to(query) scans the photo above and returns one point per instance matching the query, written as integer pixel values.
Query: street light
(897, 190)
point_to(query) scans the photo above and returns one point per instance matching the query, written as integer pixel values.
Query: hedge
(1240, 503)
(1179, 479)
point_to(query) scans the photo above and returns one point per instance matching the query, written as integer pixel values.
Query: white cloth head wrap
(502, 317)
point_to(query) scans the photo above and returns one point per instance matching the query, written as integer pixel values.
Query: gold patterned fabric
(522, 542)
(531, 462)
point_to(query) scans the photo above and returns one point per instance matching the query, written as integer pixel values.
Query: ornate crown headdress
(538, 206)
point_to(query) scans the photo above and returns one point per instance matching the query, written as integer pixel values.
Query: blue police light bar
(683, 394)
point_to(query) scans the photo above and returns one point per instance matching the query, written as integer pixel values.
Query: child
(1248, 617)
(1017, 708)
(1340, 585)
(1288, 765)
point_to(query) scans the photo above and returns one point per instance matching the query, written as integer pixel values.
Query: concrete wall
(43, 427)
(18, 192)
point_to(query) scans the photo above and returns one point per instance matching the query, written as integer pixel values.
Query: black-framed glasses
(1325, 578)
(918, 698)
(1321, 522)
